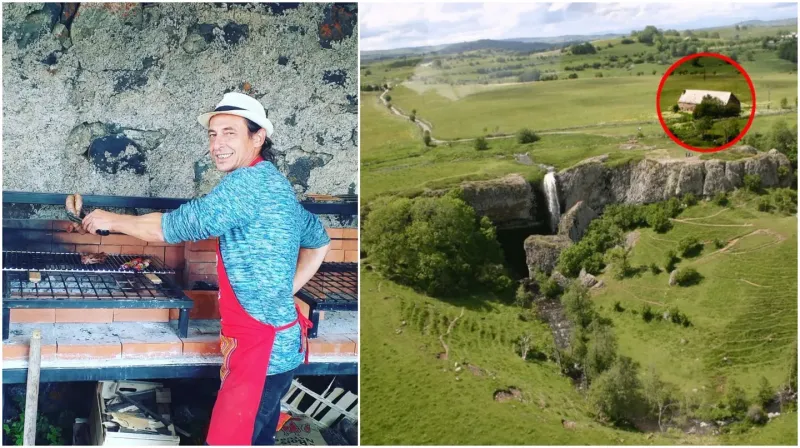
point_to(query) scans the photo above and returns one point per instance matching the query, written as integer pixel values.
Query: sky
(398, 25)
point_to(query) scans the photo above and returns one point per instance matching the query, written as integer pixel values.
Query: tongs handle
(78, 220)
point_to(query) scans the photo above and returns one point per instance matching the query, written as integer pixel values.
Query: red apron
(246, 346)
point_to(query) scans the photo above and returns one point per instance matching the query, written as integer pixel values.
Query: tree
(525, 135)
(787, 50)
(388, 98)
(658, 395)
(689, 246)
(756, 415)
(616, 394)
(765, 392)
(368, 72)
(481, 144)
(731, 130)
(435, 245)
(601, 349)
(687, 277)
(752, 182)
(573, 76)
(426, 137)
(619, 258)
(671, 260)
(736, 400)
(578, 305)
(784, 139)
(412, 117)
(675, 108)
(703, 125)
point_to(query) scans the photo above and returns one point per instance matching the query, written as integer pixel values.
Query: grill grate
(71, 262)
(335, 286)
(81, 286)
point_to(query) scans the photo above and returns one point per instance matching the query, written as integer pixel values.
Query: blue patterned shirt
(261, 227)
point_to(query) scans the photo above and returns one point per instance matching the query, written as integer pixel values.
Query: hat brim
(205, 118)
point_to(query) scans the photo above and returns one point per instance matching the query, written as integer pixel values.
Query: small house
(691, 98)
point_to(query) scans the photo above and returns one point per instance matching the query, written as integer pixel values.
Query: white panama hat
(242, 105)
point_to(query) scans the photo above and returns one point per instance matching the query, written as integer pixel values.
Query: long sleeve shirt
(261, 227)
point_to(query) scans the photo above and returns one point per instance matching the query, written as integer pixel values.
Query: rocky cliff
(649, 180)
(508, 202)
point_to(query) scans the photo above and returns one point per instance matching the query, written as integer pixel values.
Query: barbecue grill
(65, 282)
(333, 288)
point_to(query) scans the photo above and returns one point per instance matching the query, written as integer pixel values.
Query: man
(269, 247)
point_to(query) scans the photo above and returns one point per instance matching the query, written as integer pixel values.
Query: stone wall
(104, 98)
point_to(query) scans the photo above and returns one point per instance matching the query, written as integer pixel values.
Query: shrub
(435, 245)
(426, 137)
(785, 103)
(615, 395)
(598, 75)
(721, 199)
(752, 182)
(689, 246)
(784, 200)
(618, 307)
(412, 117)
(718, 243)
(783, 171)
(675, 108)
(647, 312)
(620, 261)
(756, 415)
(688, 277)
(578, 305)
(654, 269)
(481, 144)
(525, 135)
(573, 76)
(388, 98)
(736, 400)
(658, 219)
(765, 392)
(625, 216)
(676, 317)
(547, 286)
(523, 298)
(689, 199)
(764, 204)
(671, 260)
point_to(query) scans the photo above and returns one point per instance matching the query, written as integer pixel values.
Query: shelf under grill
(334, 287)
(71, 262)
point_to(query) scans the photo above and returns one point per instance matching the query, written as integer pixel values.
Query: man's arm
(308, 263)
(145, 227)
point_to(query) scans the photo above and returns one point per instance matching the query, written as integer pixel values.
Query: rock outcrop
(508, 202)
(576, 220)
(588, 280)
(650, 180)
(542, 251)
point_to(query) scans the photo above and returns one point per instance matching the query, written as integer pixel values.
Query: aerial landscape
(542, 263)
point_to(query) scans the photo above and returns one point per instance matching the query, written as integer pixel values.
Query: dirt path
(684, 221)
(706, 217)
(754, 284)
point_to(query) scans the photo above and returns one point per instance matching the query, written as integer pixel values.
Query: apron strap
(305, 325)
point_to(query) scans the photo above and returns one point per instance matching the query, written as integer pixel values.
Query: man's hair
(266, 148)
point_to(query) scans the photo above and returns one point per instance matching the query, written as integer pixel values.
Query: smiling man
(269, 247)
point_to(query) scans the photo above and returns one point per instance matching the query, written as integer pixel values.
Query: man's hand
(100, 220)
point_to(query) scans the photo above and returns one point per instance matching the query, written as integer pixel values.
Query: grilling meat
(137, 264)
(74, 206)
(93, 258)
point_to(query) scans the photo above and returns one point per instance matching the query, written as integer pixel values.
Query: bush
(547, 286)
(676, 317)
(689, 246)
(721, 199)
(688, 277)
(765, 392)
(756, 415)
(764, 204)
(525, 135)
(736, 400)
(388, 98)
(647, 312)
(784, 200)
(619, 258)
(752, 182)
(523, 298)
(578, 305)
(481, 144)
(573, 76)
(675, 108)
(654, 269)
(718, 243)
(785, 103)
(658, 219)
(618, 307)
(671, 260)
(689, 199)
(412, 117)
(783, 171)
(435, 245)
(615, 395)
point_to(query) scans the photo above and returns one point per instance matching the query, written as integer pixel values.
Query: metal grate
(81, 286)
(335, 286)
(71, 262)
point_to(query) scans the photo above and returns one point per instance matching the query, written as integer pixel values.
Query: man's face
(230, 144)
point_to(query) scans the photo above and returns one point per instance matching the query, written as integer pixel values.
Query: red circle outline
(752, 96)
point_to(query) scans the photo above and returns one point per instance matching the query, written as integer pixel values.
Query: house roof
(696, 96)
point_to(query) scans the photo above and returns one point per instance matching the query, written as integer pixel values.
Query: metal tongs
(75, 202)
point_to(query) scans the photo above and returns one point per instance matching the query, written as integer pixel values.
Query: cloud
(396, 25)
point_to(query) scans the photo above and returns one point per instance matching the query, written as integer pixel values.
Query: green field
(743, 312)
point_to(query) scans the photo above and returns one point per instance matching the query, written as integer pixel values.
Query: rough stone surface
(576, 220)
(542, 251)
(145, 71)
(649, 180)
(559, 278)
(508, 202)
(673, 278)
(588, 280)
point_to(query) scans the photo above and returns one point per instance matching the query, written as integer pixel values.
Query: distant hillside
(565, 39)
(483, 44)
(779, 22)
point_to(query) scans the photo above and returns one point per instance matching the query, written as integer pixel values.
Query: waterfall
(551, 192)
